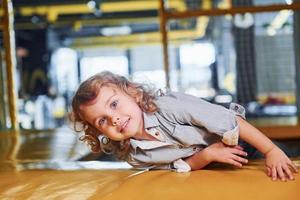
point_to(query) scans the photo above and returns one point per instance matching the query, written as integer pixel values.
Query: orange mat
(213, 183)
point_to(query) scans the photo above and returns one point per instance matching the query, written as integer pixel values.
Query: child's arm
(277, 163)
(217, 152)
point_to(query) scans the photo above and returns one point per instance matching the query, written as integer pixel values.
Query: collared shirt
(182, 126)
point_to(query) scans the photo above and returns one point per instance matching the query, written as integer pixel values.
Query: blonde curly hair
(88, 91)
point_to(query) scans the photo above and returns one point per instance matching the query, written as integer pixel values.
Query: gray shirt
(183, 125)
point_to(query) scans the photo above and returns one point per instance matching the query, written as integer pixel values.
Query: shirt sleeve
(149, 166)
(180, 166)
(138, 164)
(185, 109)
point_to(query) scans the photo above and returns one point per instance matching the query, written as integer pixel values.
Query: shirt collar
(148, 144)
(150, 120)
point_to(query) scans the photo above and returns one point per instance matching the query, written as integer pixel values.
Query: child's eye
(114, 104)
(102, 121)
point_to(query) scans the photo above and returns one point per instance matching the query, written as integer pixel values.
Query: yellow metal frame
(207, 11)
(164, 40)
(10, 58)
(53, 11)
(231, 11)
(9, 45)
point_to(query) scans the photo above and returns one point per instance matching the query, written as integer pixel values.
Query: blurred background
(221, 50)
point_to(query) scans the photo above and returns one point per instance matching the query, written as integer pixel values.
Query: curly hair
(88, 91)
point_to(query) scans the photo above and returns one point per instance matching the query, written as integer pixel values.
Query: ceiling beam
(141, 38)
(53, 11)
(231, 11)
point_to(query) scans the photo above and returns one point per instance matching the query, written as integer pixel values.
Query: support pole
(10, 59)
(164, 34)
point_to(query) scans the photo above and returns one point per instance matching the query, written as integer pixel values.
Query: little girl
(168, 131)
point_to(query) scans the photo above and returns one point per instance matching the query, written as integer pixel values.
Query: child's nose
(115, 121)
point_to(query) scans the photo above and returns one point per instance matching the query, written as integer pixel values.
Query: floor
(55, 165)
(215, 183)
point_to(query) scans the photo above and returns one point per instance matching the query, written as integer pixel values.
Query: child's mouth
(124, 125)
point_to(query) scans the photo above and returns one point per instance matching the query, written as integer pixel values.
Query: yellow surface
(42, 165)
(214, 183)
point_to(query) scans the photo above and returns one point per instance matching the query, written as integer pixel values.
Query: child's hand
(219, 152)
(279, 165)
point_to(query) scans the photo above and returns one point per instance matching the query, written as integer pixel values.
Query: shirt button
(195, 148)
(156, 133)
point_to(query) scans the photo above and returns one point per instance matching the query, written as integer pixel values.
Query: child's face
(115, 114)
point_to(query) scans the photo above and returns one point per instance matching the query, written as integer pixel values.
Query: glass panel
(275, 59)
(195, 62)
(262, 41)
(147, 65)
